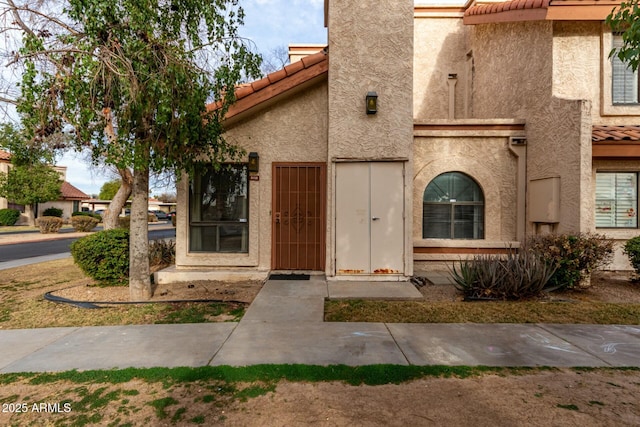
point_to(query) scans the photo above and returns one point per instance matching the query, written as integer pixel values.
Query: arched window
(453, 208)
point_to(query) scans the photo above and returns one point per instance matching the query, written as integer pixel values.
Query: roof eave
(283, 87)
(287, 81)
(569, 11)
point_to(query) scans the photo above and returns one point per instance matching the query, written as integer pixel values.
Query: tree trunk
(30, 212)
(110, 217)
(139, 274)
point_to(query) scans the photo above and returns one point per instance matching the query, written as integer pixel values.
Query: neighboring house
(70, 196)
(493, 121)
(5, 161)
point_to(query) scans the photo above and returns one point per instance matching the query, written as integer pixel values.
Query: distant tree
(167, 197)
(30, 184)
(109, 189)
(625, 19)
(31, 178)
(275, 60)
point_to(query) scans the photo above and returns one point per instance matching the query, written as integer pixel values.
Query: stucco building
(70, 196)
(419, 135)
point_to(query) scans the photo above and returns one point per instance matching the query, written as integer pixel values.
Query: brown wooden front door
(298, 216)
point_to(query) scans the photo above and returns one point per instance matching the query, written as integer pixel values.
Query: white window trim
(607, 108)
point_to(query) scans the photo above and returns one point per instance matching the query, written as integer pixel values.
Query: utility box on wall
(544, 200)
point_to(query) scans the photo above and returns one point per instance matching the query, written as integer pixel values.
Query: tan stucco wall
(371, 49)
(440, 49)
(490, 158)
(65, 205)
(487, 160)
(516, 76)
(576, 62)
(559, 145)
(582, 70)
(512, 68)
(294, 129)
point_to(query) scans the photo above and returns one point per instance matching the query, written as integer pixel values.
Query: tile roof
(486, 9)
(293, 75)
(615, 133)
(4, 155)
(526, 10)
(69, 192)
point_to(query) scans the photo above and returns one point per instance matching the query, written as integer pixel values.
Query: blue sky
(269, 24)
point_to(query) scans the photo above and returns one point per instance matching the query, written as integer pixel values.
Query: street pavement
(284, 325)
(22, 240)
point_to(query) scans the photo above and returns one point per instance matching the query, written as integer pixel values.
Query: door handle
(375, 218)
(277, 217)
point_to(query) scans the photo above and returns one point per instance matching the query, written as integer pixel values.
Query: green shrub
(162, 252)
(83, 223)
(49, 224)
(103, 256)
(632, 250)
(90, 214)
(9, 216)
(52, 212)
(576, 256)
(517, 275)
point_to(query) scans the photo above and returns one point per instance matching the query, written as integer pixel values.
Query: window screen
(624, 79)
(453, 208)
(616, 200)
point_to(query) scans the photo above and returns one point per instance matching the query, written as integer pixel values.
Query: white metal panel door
(370, 218)
(387, 218)
(352, 218)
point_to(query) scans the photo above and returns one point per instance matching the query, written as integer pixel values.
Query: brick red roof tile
(252, 94)
(615, 133)
(521, 10)
(69, 192)
(485, 9)
(4, 155)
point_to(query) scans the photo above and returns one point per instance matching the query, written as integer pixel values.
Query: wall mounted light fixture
(254, 162)
(371, 102)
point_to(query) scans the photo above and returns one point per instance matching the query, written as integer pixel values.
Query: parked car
(162, 216)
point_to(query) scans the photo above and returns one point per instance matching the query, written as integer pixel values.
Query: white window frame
(607, 106)
(451, 205)
(618, 205)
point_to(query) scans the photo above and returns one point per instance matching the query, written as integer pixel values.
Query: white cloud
(273, 23)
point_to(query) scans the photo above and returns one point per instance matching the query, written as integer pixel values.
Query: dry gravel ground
(195, 290)
(546, 398)
(614, 287)
(539, 398)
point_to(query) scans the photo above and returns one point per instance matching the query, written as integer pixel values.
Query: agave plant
(516, 275)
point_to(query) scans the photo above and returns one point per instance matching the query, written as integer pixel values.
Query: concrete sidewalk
(285, 325)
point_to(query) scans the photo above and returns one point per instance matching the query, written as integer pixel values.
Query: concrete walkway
(285, 325)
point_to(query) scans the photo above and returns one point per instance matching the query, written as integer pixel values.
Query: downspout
(452, 81)
(518, 147)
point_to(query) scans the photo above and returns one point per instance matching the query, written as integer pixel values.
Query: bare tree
(277, 59)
